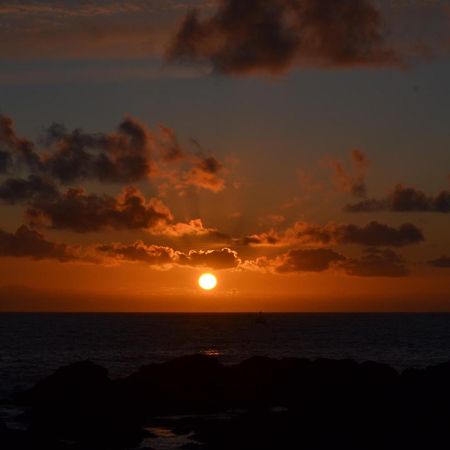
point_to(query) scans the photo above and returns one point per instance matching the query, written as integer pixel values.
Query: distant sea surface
(32, 346)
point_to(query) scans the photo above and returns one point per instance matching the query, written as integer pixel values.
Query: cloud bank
(37, 176)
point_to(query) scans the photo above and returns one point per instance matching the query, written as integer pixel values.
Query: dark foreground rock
(259, 404)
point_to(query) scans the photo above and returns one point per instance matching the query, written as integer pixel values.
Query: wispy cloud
(352, 181)
(404, 199)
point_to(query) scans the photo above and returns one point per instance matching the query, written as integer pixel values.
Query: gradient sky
(300, 150)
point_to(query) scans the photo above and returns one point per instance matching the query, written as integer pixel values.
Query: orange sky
(142, 144)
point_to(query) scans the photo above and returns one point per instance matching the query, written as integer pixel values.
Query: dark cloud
(373, 234)
(405, 199)
(133, 153)
(130, 154)
(192, 229)
(16, 190)
(224, 258)
(122, 156)
(81, 212)
(368, 205)
(139, 252)
(273, 35)
(164, 256)
(376, 263)
(443, 262)
(378, 234)
(309, 260)
(119, 157)
(29, 243)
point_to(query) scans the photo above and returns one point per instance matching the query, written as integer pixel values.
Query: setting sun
(207, 281)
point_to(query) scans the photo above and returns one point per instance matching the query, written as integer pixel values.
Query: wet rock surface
(261, 403)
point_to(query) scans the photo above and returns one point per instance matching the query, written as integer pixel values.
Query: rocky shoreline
(260, 403)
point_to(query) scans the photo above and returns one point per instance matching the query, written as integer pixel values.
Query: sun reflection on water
(211, 352)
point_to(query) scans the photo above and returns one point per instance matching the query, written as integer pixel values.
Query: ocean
(32, 346)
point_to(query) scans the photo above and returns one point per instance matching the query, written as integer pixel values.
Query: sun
(207, 281)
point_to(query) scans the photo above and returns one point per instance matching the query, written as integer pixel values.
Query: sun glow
(207, 281)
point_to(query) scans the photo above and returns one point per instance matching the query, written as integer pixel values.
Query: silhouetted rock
(275, 404)
(73, 382)
(439, 373)
(78, 403)
(378, 374)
